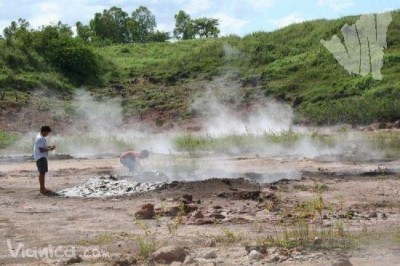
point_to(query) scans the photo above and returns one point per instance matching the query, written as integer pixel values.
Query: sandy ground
(237, 212)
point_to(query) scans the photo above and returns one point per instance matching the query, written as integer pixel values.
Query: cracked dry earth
(217, 221)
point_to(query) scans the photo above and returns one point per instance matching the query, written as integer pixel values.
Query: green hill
(290, 65)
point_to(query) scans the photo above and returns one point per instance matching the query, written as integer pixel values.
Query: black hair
(144, 153)
(45, 129)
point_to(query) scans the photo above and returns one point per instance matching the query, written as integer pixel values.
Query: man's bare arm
(49, 148)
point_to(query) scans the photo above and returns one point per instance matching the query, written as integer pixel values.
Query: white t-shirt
(40, 142)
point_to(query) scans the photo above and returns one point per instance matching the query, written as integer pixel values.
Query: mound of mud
(99, 187)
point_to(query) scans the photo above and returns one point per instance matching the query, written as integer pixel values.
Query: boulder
(260, 249)
(146, 212)
(169, 254)
(255, 255)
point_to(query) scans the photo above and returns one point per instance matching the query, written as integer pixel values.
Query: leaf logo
(365, 41)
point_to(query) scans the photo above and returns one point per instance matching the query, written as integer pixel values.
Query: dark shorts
(42, 165)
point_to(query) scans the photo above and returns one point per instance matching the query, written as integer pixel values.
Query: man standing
(40, 155)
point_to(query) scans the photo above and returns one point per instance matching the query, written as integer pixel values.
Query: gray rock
(317, 241)
(210, 255)
(255, 255)
(260, 249)
(169, 254)
(343, 262)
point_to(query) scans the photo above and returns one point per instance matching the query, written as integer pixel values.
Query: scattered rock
(317, 241)
(198, 215)
(172, 211)
(187, 198)
(372, 214)
(241, 195)
(273, 187)
(122, 260)
(189, 260)
(260, 249)
(343, 262)
(283, 252)
(210, 255)
(255, 255)
(217, 216)
(190, 208)
(273, 258)
(384, 216)
(146, 212)
(169, 254)
(210, 243)
(204, 221)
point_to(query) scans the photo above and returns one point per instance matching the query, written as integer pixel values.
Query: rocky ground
(330, 213)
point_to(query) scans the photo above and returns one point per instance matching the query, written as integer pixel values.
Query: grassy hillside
(290, 65)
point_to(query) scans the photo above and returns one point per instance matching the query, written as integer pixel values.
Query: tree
(184, 28)
(84, 32)
(206, 27)
(17, 31)
(111, 24)
(159, 36)
(144, 24)
(42, 39)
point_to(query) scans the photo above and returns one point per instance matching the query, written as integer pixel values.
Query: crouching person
(131, 160)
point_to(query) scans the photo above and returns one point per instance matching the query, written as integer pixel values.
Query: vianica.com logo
(53, 252)
(365, 41)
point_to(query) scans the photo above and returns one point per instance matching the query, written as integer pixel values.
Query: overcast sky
(236, 16)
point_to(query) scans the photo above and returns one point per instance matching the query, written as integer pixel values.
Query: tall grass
(7, 139)
(193, 143)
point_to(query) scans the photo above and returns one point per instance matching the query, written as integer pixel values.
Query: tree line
(114, 25)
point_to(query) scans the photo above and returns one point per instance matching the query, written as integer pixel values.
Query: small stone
(255, 255)
(217, 216)
(190, 208)
(373, 214)
(210, 255)
(274, 258)
(343, 262)
(189, 260)
(172, 211)
(198, 215)
(283, 252)
(273, 187)
(146, 212)
(169, 254)
(384, 216)
(317, 241)
(187, 198)
(210, 243)
(260, 249)
(121, 260)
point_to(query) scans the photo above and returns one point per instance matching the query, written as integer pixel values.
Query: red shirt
(130, 154)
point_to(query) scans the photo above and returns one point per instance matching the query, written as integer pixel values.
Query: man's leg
(43, 169)
(42, 183)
